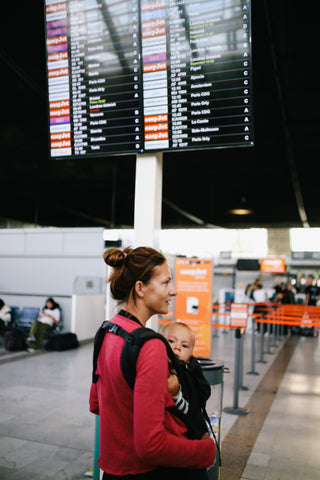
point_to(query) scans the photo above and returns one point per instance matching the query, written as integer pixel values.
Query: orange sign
(272, 265)
(193, 303)
(238, 315)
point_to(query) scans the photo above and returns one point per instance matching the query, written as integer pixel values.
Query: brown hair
(129, 266)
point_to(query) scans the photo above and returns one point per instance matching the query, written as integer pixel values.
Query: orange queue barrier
(221, 314)
(294, 311)
(292, 317)
(292, 314)
(287, 317)
(223, 325)
(298, 307)
(287, 322)
(164, 322)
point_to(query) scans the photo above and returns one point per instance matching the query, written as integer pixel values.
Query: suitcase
(62, 341)
(15, 340)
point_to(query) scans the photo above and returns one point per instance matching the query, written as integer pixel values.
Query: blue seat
(27, 316)
(14, 314)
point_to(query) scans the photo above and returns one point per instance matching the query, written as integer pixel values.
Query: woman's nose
(173, 291)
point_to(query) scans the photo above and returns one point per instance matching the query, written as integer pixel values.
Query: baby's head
(180, 338)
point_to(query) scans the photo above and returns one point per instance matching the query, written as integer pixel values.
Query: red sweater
(137, 433)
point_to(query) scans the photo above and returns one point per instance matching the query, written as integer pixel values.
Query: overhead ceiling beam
(188, 215)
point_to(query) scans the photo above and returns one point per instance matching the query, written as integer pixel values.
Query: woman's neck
(138, 311)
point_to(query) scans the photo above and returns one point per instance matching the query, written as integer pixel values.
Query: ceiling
(277, 178)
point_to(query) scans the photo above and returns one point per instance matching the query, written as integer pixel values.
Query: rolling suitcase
(15, 340)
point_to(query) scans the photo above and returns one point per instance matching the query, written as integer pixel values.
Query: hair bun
(114, 257)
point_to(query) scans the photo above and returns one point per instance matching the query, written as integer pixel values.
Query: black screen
(128, 76)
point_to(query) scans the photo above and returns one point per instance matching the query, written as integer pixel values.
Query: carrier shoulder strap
(130, 350)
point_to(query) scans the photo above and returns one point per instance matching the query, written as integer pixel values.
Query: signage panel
(238, 315)
(134, 76)
(272, 265)
(193, 303)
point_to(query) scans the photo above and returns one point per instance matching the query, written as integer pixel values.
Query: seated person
(5, 316)
(49, 316)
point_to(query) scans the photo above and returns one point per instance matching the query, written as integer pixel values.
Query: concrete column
(148, 206)
(148, 200)
(279, 242)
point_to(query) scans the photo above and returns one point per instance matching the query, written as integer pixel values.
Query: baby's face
(181, 342)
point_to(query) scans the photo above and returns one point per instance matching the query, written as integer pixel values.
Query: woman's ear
(139, 289)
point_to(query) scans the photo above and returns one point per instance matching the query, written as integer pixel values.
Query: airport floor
(47, 432)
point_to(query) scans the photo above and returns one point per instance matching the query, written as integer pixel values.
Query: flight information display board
(135, 76)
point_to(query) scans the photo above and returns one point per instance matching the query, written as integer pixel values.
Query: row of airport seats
(25, 316)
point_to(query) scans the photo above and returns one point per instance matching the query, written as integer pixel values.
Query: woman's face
(159, 291)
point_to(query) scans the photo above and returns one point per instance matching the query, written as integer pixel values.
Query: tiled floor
(47, 432)
(289, 443)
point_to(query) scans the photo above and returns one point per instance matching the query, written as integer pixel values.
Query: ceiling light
(241, 211)
(242, 208)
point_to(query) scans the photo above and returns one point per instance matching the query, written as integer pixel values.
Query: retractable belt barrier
(269, 313)
(294, 315)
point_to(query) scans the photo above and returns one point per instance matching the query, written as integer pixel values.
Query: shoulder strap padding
(131, 348)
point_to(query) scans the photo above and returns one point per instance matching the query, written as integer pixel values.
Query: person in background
(291, 293)
(312, 292)
(259, 297)
(284, 296)
(248, 293)
(49, 316)
(259, 293)
(5, 316)
(139, 437)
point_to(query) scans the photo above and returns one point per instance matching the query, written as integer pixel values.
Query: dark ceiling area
(277, 178)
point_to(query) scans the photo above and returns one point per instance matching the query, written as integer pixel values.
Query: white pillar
(147, 207)
(148, 200)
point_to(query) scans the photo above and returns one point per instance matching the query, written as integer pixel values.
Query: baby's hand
(205, 435)
(173, 385)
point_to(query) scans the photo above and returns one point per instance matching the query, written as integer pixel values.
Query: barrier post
(225, 330)
(241, 386)
(253, 353)
(236, 410)
(278, 332)
(261, 360)
(96, 469)
(274, 336)
(268, 339)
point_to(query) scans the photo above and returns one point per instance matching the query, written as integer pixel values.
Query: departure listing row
(129, 76)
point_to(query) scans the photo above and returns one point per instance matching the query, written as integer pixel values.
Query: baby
(192, 391)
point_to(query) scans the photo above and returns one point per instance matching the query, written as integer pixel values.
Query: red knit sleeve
(158, 435)
(93, 399)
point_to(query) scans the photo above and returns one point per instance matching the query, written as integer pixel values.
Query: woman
(5, 316)
(139, 438)
(49, 316)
